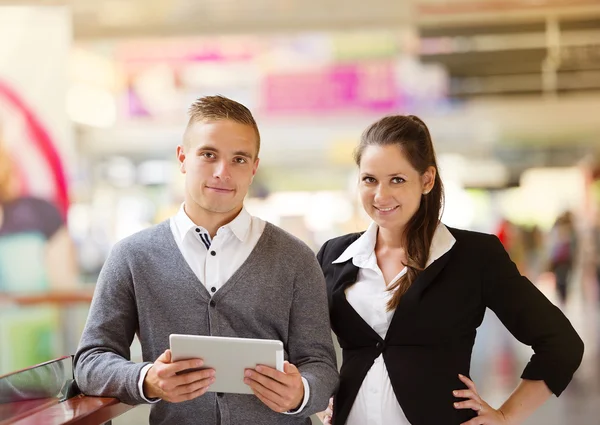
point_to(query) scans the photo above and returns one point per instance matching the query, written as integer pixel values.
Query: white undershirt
(376, 402)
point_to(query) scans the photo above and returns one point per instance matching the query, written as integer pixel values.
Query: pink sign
(344, 87)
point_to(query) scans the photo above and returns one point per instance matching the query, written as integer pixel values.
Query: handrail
(50, 297)
(47, 394)
(78, 410)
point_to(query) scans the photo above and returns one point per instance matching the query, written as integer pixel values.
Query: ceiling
(552, 56)
(127, 18)
(489, 47)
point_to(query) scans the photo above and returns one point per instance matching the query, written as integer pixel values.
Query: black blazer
(431, 336)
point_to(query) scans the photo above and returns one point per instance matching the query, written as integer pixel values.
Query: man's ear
(255, 168)
(181, 158)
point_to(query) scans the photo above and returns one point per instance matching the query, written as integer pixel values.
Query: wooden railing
(47, 394)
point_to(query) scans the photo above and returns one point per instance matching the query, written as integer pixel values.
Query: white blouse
(376, 403)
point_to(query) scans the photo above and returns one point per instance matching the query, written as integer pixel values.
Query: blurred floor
(498, 360)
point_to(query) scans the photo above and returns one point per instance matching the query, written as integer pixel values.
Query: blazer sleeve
(532, 319)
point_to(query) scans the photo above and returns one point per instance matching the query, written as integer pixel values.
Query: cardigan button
(212, 303)
(379, 345)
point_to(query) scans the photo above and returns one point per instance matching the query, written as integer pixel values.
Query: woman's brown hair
(411, 135)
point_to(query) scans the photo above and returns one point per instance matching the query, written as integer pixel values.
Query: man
(211, 270)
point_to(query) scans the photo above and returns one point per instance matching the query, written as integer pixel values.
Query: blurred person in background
(563, 248)
(511, 237)
(534, 251)
(407, 295)
(36, 251)
(212, 269)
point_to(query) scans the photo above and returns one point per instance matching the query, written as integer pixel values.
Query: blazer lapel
(346, 275)
(426, 277)
(410, 301)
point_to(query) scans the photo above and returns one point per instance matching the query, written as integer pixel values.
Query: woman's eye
(397, 180)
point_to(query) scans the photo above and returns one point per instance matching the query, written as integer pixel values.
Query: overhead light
(91, 106)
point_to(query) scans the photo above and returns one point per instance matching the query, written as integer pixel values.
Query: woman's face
(390, 188)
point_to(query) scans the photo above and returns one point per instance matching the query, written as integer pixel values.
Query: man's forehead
(221, 135)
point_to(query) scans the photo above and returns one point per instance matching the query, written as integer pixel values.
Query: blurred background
(93, 102)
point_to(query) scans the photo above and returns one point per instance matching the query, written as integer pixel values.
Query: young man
(211, 270)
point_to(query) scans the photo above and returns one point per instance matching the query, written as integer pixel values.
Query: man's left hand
(280, 391)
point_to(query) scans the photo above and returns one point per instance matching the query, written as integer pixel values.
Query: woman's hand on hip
(486, 415)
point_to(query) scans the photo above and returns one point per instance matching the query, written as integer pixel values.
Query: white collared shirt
(376, 403)
(215, 260)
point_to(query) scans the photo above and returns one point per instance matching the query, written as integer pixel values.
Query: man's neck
(209, 220)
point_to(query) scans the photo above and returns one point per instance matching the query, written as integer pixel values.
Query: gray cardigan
(147, 287)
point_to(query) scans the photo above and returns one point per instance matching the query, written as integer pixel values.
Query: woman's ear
(428, 179)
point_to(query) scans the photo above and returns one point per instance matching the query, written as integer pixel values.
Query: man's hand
(162, 380)
(280, 391)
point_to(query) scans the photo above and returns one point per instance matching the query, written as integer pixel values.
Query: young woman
(407, 295)
(36, 251)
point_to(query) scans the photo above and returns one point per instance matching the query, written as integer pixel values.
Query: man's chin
(221, 209)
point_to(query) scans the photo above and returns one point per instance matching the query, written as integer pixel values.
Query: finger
(191, 378)
(289, 368)
(265, 381)
(468, 404)
(183, 365)
(470, 384)
(466, 394)
(190, 396)
(269, 403)
(165, 357)
(169, 370)
(194, 386)
(265, 392)
(274, 374)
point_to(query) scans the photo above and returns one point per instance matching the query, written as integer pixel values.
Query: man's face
(219, 160)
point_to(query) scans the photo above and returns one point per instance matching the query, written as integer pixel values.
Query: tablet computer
(229, 357)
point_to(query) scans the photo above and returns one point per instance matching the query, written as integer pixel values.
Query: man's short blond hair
(215, 108)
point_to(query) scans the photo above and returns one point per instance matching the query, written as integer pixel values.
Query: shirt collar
(239, 226)
(362, 248)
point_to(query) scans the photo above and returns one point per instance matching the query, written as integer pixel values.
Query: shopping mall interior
(94, 97)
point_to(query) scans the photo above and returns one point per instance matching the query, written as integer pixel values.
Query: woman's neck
(390, 238)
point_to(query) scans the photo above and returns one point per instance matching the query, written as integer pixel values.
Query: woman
(36, 251)
(407, 296)
(563, 244)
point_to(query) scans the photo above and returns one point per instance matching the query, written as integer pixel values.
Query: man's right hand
(162, 381)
